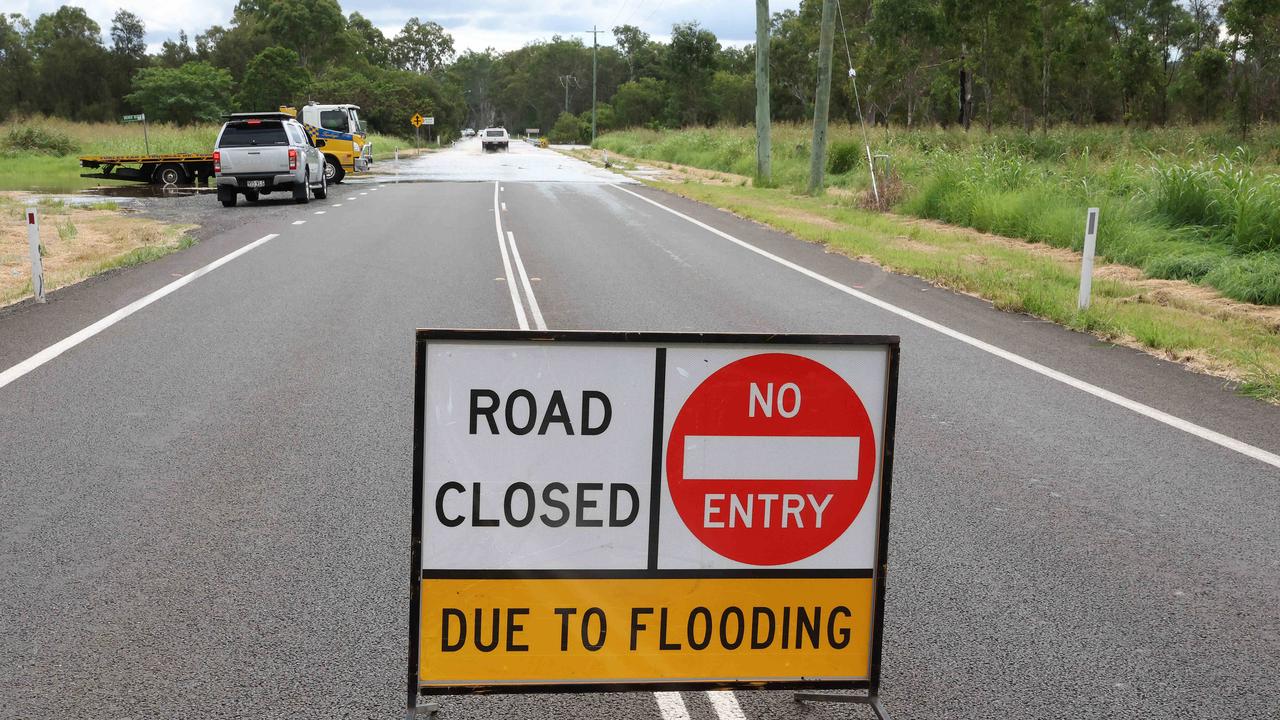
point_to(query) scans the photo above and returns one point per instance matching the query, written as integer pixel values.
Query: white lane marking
(71, 341)
(671, 705)
(502, 188)
(538, 322)
(726, 705)
(506, 264)
(299, 222)
(364, 193)
(504, 207)
(1160, 416)
(353, 197)
(319, 212)
(337, 204)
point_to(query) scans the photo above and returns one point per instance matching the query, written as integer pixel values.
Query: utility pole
(565, 80)
(822, 101)
(763, 149)
(595, 47)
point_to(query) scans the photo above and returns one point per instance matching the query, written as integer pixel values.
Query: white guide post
(37, 266)
(1086, 266)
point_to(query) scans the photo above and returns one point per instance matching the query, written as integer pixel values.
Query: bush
(29, 139)
(568, 129)
(1253, 278)
(843, 157)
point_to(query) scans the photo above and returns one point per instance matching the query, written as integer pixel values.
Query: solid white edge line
(726, 705)
(506, 264)
(1160, 416)
(71, 341)
(538, 322)
(671, 706)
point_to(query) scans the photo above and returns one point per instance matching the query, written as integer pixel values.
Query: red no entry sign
(771, 459)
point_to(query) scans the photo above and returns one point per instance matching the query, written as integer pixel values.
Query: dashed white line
(71, 341)
(506, 264)
(319, 212)
(337, 204)
(671, 705)
(353, 197)
(299, 222)
(504, 207)
(364, 193)
(538, 322)
(1160, 416)
(726, 705)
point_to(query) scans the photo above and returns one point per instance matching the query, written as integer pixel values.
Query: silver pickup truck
(260, 153)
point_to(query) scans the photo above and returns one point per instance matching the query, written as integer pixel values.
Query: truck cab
(346, 147)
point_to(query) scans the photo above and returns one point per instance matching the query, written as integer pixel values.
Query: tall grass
(1188, 203)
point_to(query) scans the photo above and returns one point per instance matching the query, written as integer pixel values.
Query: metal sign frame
(659, 341)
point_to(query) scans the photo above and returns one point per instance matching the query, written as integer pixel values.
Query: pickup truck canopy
(259, 116)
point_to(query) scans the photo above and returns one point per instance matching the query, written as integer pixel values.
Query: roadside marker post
(1086, 265)
(37, 265)
(603, 512)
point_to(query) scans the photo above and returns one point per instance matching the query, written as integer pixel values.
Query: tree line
(1032, 63)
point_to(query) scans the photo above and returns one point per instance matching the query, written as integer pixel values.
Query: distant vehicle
(495, 138)
(469, 132)
(260, 153)
(347, 148)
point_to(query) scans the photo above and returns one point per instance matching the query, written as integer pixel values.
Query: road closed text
(556, 630)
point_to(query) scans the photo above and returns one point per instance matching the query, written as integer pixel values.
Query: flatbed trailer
(164, 169)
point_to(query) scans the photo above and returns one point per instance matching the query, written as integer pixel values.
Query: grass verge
(1171, 319)
(77, 242)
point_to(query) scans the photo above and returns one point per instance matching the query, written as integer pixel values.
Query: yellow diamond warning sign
(625, 511)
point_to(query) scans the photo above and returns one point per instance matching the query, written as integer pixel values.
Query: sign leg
(873, 700)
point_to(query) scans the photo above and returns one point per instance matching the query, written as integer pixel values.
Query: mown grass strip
(1017, 279)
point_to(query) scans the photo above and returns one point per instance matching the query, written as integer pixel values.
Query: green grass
(1187, 203)
(44, 171)
(1017, 280)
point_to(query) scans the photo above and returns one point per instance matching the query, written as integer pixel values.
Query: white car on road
(495, 138)
(260, 153)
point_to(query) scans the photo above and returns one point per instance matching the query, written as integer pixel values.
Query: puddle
(143, 190)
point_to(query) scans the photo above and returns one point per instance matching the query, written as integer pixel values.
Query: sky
(500, 24)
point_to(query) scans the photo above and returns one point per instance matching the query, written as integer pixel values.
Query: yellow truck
(346, 144)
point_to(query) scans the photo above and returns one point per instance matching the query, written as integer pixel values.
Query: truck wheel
(322, 192)
(333, 171)
(171, 174)
(228, 197)
(302, 192)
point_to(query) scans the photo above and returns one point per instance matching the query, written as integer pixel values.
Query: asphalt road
(204, 506)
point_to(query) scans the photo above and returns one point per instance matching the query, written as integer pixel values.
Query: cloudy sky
(501, 24)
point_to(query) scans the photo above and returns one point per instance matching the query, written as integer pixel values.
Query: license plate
(256, 183)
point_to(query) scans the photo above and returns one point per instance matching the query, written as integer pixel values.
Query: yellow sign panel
(536, 631)
(416, 120)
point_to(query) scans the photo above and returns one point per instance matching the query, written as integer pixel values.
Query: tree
(314, 29)
(176, 53)
(195, 92)
(1200, 89)
(734, 97)
(568, 129)
(15, 65)
(639, 102)
(128, 36)
(691, 62)
(422, 46)
(634, 44)
(368, 42)
(69, 62)
(272, 79)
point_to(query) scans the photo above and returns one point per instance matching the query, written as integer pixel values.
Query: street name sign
(621, 511)
(133, 118)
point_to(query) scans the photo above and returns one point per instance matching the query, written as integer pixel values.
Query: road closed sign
(626, 511)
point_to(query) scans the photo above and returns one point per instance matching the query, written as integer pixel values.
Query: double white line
(505, 239)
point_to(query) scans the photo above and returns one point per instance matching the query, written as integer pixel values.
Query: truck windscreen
(247, 134)
(335, 120)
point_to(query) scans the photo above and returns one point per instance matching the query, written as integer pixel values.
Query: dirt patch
(658, 171)
(76, 242)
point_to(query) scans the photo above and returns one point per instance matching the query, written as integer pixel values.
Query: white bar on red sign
(748, 457)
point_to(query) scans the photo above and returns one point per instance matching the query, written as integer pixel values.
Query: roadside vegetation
(1194, 204)
(1020, 250)
(76, 242)
(40, 153)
